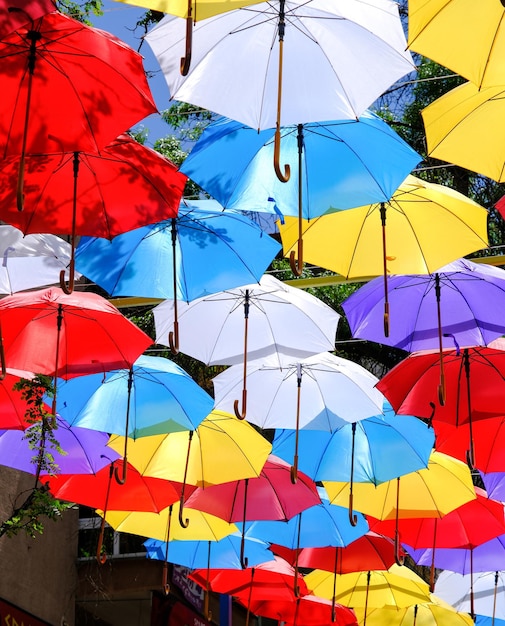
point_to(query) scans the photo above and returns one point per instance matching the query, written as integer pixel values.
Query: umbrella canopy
(56, 323)
(214, 250)
(465, 117)
(488, 587)
(494, 483)
(16, 13)
(13, 406)
(233, 163)
(199, 9)
(458, 294)
(84, 451)
(433, 613)
(30, 261)
(432, 23)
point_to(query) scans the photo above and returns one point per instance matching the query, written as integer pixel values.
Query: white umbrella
(252, 321)
(488, 592)
(29, 261)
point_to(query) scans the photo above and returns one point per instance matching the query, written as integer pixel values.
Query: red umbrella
(16, 13)
(475, 386)
(488, 442)
(60, 335)
(13, 407)
(97, 193)
(308, 610)
(468, 526)
(54, 64)
(270, 496)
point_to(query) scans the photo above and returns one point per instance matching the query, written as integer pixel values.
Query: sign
(192, 592)
(11, 615)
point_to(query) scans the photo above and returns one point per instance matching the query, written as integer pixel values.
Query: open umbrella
(421, 228)
(474, 380)
(16, 13)
(232, 162)
(100, 192)
(222, 448)
(432, 25)
(154, 396)
(270, 496)
(440, 310)
(201, 251)
(494, 484)
(13, 406)
(56, 63)
(281, 319)
(321, 392)
(463, 117)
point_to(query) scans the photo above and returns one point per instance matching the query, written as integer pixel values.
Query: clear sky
(120, 19)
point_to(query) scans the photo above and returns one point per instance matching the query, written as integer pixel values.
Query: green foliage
(81, 11)
(188, 119)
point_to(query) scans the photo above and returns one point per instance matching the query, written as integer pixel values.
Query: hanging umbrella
(433, 23)
(440, 310)
(154, 396)
(464, 117)
(433, 613)
(16, 13)
(270, 496)
(374, 449)
(100, 192)
(232, 162)
(321, 392)
(309, 610)
(488, 592)
(13, 407)
(421, 228)
(84, 451)
(30, 261)
(431, 492)
(282, 318)
(201, 251)
(494, 484)
(56, 63)
(222, 448)
(55, 323)
(474, 381)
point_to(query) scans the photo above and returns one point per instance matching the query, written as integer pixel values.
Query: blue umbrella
(156, 395)
(341, 165)
(201, 251)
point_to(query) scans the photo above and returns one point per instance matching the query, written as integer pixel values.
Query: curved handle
(186, 59)
(173, 339)
(399, 556)
(293, 470)
(470, 458)
(101, 555)
(386, 319)
(283, 177)
(241, 414)
(164, 580)
(183, 522)
(295, 264)
(71, 280)
(353, 519)
(121, 479)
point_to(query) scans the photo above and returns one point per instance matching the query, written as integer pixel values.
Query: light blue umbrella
(156, 396)
(341, 165)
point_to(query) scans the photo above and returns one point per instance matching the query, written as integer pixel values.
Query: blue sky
(120, 19)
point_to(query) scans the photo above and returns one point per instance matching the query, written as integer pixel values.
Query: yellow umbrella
(203, 527)
(466, 36)
(423, 227)
(465, 127)
(443, 486)
(397, 587)
(222, 448)
(433, 613)
(192, 11)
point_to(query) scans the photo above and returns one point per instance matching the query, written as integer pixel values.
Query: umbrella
(16, 13)
(433, 613)
(56, 63)
(201, 251)
(55, 322)
(270, 496)
(438, 310)
(30, 261)
(153, 397)
(308, 609)
(426, 226)
(398, 587)
(231, 161)
(222, 448)
(488, 592)
(321, 392)
(282, 318)
(463, 117)
(432, 24)
(468, 526)
(84, 451)
(474, 380)
(100, 192)
(494, 484)
(14, 408)
(431, 492)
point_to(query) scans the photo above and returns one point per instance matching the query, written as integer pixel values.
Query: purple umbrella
(85, 450)
(494, 484)
(459, 305)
